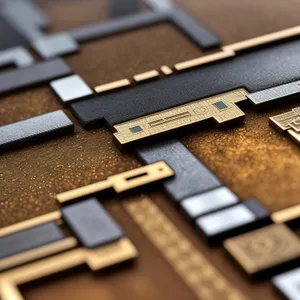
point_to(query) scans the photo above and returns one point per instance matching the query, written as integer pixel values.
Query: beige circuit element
(289, 123)
(222, 108)
(264, 248)
(96, 259)
(122, 182)
(189, 263)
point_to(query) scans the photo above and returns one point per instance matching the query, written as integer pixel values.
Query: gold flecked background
(252, 159)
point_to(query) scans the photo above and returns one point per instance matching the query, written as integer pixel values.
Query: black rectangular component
(30, 238)
(193, 29)
(91, 223)
(191, 176)
(257, 70)
(43, 127)
(33, 75)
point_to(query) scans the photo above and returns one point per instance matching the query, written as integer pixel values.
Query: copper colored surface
(253, 159)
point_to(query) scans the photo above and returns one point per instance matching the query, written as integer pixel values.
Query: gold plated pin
(97, 259)
(222, 108)
(289, 123)
(122, 182)
(189, 263)
(264, 249)
(112, 86)
(146, 76)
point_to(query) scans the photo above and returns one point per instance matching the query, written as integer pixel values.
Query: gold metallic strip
(166, 70)
(37, 253)
(141, 176)
(121, 182)
(53, 216)
(286, 215)
(146, 76)
(232, 49)
(264, 39)
(111, 86)
(189, 263)
(181, 116)
(84, 191)
(204, 60)
(97, 259)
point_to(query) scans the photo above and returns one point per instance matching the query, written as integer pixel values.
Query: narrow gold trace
(112, 86)
(146, 76)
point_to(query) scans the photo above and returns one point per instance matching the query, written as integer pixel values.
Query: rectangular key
(29, 239)
(91, 223)
(191, 176)
(43, 127)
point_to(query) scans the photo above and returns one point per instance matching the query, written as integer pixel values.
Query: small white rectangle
(226, 219)
(71, 88)
(289, 284)
(205, 203)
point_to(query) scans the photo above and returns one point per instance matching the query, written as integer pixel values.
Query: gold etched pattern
(192, 267)
(96, 259)
(289, 123)
(222, 108)
(121, 182)
(264, 248)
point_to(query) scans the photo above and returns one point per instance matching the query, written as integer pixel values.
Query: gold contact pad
(264, 248)
(222, 108)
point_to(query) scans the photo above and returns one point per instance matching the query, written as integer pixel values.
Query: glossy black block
(29, 239)
(91, 223)
(191, 176)
(40, 128)
(256, 70)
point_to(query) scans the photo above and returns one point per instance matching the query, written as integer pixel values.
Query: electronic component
(18, 56)
(289, 123)
(91, 223)
(71, 88)
(221, 108)
(264, 250)
(43, 127)
(36, 74)
(122, 182)
(192, 177)
(254, 71)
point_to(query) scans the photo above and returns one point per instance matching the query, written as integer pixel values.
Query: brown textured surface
(253, 159)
